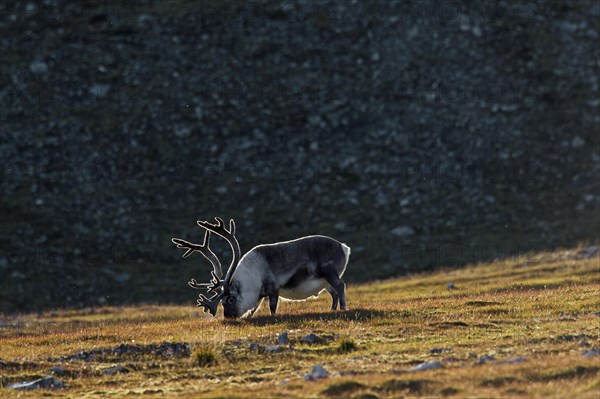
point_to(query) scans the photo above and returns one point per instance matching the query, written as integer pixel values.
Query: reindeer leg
(273, 299)
(338, 286)
(334, 297)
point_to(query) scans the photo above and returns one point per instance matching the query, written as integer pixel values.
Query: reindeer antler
(204, 250)
(216, 283)
(210, 304)
(229, 235)
(212, 286)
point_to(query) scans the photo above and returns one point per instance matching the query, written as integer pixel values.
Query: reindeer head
(225, 291)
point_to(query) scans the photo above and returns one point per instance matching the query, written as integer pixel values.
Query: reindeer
(294, 270)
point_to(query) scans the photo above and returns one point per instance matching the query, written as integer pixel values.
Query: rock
(42, 383)
(182, 132)
(428, 365)
(165, 349)
(31, 9)
(274, 349)
(450, 286)
(514, 360)
(316, 373)
(114, 370)
(403, 231)
(99, 89)
(577, 142)
(122, 277)
(589, 252)
(591, 352)
(340, 226)
(311, 339)
(282, 339)
(256, 347)
(58, 370)
(485, 359)
(38, 67)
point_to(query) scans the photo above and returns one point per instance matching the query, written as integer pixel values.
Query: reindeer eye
(231, 300)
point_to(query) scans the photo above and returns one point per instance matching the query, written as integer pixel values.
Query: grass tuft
(347, 345)
(204, 357)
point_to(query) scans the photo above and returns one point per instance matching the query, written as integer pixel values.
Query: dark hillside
(422, 134)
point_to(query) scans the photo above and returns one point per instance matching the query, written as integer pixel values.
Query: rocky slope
(420, 133)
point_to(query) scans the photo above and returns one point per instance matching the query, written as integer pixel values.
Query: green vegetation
(346, 345)
(205, 358)
(507, 329)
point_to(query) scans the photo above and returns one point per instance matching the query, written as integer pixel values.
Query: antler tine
(194, 284)
(211, 286)
(228, 235)
(210, 304)
(203, 248)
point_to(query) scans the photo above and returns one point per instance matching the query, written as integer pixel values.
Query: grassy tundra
(521, 327)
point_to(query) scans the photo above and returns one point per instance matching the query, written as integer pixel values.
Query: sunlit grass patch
(544, 313)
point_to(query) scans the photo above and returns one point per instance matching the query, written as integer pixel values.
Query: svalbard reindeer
(294, 270)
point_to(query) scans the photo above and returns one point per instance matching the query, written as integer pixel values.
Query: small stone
(311, 339)
(282, 339)
(182, 132)
(31, 9)
(122, 277)
(450, 286)
(42, 383)
(99, 89)
(114, 370)
(316, 373)
(435, 351)
(589, 252)
(577, 142)
(38, 67)
(273, 349)
(514, 360)
(413, 32)
(58, 370)
(485, 359)
(340, 226)
(403, 231)
(256, 347)
(428, 365)
(591, 352)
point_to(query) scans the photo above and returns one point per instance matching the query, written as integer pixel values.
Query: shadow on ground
(348, 315)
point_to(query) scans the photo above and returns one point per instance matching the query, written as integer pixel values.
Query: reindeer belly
(307, 288)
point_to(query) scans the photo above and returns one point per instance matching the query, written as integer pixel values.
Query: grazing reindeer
(295, 270)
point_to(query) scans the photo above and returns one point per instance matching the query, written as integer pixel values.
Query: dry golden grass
(542, 307)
